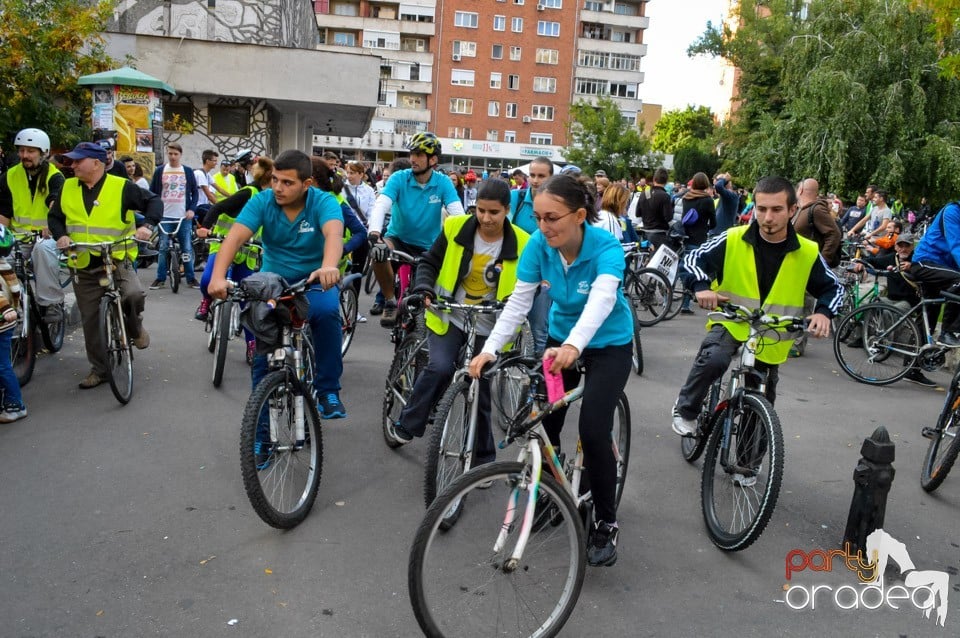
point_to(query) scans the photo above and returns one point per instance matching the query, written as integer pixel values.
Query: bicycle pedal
(928, 433)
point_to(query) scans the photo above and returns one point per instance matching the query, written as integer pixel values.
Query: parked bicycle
(515, 562)
(742, 436)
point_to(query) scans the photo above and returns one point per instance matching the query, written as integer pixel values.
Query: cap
(600, 173)
(225, 162)
(470, 176)
(84, 150)
(906, 238)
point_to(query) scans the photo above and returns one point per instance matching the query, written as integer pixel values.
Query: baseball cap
(84, 150)
(470, 176)
(600, 173)
(906, 238)
(225, 162)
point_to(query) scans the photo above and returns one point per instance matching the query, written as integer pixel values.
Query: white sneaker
(361, 318)
(682, 426)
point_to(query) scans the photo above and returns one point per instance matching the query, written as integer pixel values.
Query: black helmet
(426, 143)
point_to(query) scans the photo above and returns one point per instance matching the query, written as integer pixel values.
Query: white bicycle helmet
(34, 138)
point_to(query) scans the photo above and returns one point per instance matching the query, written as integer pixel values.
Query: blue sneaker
(331, 407)
(261, 454)
(400, 434)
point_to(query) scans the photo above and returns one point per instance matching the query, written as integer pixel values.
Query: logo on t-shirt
(434, 199)
(305, 227)
(583, 288)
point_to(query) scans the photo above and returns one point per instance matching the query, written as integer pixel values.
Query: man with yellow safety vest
(764, 265)
(97, 207)
(224, 183)
(26, 192)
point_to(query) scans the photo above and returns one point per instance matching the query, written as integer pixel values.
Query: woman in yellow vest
(473, 260)
(763, 265)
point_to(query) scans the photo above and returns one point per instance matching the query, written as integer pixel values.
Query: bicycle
(743, 439)
(854, 296)
(523, 576)
(113, 326)
(281, 449)
(175, 255)
(944, 440)
(349, 310)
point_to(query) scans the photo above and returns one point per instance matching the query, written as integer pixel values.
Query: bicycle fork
(533, 489)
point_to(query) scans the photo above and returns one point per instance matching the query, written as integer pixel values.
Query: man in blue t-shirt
(420, 195)
(302, 235)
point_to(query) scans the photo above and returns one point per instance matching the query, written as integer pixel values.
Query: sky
(670, 77)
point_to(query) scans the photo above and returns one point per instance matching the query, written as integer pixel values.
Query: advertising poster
(131, 112)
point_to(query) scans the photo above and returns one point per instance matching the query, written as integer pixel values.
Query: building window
(458, 132)
(493, 109)
(465, 48)
(541, 139)
(516, 25)
(499, 23)
(461, 77)
(496, 79)
(344, 39)
(497, 52)
(511, 109)
(621, 36)
(461, 105)
(548, 56)
(592, 5)
(411, 101)
(386, 71)
(177, 115)
(590, 87)
(465, 19)
(415, 71)
(623, 90)
(513, 82)
(344, 9)
(630, 119)
(552, 4)
(517, 1)
(550, 29)
(493, 135)
(515, 53)
(625, 9)
(544, 85)
(418, 45)
(229, 120)
(542, 112)
(509, 136)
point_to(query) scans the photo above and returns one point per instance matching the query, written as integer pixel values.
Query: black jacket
(898, 288)
(655, 209)
(706, 219)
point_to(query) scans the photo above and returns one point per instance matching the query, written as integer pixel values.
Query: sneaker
(158, 284)
(686, 311)
(915, 376)
(682, 426)
(400, 434)
(389, 317)
(261, 454)
(53, 314)
(251, 351)
(361, 318)
(12, 413)
(331, 407)
(92, 380)
(376, 308)
(602, 545)
(142, 342)
(949, 339)
(202, 310)
(193, 283)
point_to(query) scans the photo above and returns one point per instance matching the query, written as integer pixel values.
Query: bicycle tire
(52, 333)
(757, 438)
(349, 309)
(23, 346)
(691, 447)
(868, 355)
(369, 279)
(173, 267)
(620, 436)
(459, 586)
(677, 293)
(212, 323)
(636, 356)
(508, 394)
(944, 442)
(650, 294)
(446, 450)
(221, 341)
(271, 481)
(118, 350)
(408, 360)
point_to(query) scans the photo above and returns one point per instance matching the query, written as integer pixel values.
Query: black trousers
(934, 278)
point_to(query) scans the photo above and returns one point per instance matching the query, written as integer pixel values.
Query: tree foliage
(692, 159)
(45, 45)
(946, 17)
(677, 129)
(599, 139)
(846, 91)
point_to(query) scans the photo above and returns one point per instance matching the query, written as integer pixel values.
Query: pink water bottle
(554, 381)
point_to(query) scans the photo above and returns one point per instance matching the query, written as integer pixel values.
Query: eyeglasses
(550, 221)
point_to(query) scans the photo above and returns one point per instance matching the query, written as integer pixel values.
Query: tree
(676, 129)
(45, 45)
(692, 159)
(599, 139)
(946, 17)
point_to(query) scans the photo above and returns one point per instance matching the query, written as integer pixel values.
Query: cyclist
(936, 267)
(589, 320)
(96, 207)
(302, 235)
(26, 192)
(764, 265)
(473, 260)
(13, 407)
(420, 193)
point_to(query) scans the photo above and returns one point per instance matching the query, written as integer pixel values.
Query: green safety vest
(29, 213)
(228, 183)
(103, 224)
(740, 283)
(448, 279)
(223, 226)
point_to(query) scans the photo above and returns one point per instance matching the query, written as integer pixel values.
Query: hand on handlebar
(380, 252)
(819, 325)
(143, 233)
(326, 276)
(710, 299)
(64, 242)
(202, 232)
(478, 362)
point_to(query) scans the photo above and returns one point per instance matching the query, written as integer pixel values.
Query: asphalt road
(132, 521)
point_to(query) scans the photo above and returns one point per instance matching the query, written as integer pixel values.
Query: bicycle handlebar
(735, 312)
(176, 229)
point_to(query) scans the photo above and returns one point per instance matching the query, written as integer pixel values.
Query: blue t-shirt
(417, 214)
(521, 212)
(291, 249)
(601, 254)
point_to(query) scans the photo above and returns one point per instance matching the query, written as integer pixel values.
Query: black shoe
(400, 434)
(949, 339)
(602, 545)
(376, 308)
(686, 311)
(915, 376)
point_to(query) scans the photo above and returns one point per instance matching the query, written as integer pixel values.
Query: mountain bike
(650, 294)
(176, 257)
(281, 449)
(743, 439)
(854, 295)
(515, 560)
(944, 442)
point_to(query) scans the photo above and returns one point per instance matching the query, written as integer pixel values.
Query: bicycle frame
(908, 316)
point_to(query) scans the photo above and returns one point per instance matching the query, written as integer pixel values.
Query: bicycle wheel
(447, 450)
(637, 354)
(463, 582)
(23, 347)
(740, 485)
(508, 394)
(349, 307)
(119, 352)
(620, 436)
(650, 293)
(944, 442)
(52, 333)
(281, 472)
(173, 266)
(222, 330)
(212, 325)
(870, 349)
(369, 280)
(409, 359)
(676, 298)
(692, 446)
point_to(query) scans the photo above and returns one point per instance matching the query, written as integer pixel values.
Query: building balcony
(624, 103)
(614, 75)
(611, 19)
(609, 46)
(359, 23)
(397, 113)
(408, 86)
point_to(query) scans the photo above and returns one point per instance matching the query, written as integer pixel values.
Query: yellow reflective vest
(227, 183)
(104, 223)
(29, 213)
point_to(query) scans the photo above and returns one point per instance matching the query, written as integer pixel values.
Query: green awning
(126, 76)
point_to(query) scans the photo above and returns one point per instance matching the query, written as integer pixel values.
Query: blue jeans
(185, 235)
(326, 330)
(8, 380)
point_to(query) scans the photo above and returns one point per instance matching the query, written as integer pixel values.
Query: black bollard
(872, 480)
